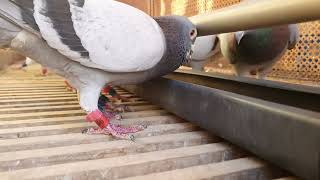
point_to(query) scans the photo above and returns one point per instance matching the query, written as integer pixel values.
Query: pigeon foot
(105, 127)
(116, 131)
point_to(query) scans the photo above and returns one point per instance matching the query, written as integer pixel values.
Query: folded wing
(107, 35)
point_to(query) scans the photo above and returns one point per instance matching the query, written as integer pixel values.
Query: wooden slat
(47, 141)
(31, 75)
(130, 165)
(43, 130)
(27, 93)
(38, 104)
(13, 133)
(13, 89)
(53, 99)
(28, 81)
(136, 99)
(144, 107)
(42, 85)
(37, 96)
(166, 119)
(151, 120)
(38, 109)
(133, 103)
(19, 116)
(125, 95)
(35, 83)
(41, 121)
(47, 78)
(144, 113)
(66, 107)
(23, 90)
(245, 168)
(83, 152)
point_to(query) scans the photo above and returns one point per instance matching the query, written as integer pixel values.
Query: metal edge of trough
(282, 134)
(260, 82)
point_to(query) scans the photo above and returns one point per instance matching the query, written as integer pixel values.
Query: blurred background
(299, 66)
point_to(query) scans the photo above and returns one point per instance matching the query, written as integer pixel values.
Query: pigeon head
(180, 35)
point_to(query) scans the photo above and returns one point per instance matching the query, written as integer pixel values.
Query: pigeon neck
(175, 54)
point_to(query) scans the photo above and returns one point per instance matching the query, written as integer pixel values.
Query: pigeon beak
(189, 54)
(192, 49)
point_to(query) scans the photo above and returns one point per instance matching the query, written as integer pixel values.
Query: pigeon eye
(192, 33)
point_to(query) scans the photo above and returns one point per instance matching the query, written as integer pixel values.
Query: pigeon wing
(107, 35)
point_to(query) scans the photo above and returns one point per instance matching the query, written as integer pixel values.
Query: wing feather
(20, 13)
(56, 26)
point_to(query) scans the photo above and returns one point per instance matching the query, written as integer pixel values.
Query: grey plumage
(176, 30)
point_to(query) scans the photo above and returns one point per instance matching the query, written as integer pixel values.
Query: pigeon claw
(144, 126)
(132, 138)
(116, 131)
(118, 117)
(85, 131)
(107, 128)
(127, 108)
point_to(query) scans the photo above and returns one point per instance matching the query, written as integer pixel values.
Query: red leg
(105, 90)
(98, 117)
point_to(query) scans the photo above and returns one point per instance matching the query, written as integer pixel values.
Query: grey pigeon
(96, 42)
(205, 47)
(254, 52)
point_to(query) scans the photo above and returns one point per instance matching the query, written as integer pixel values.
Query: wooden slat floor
(40, 138)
